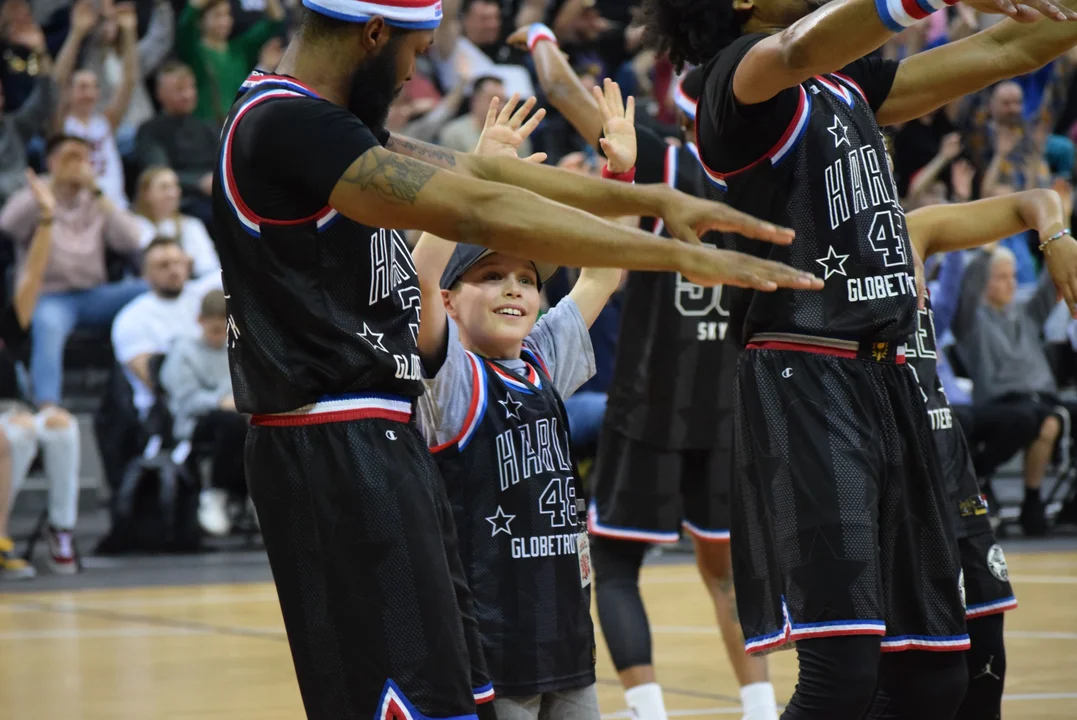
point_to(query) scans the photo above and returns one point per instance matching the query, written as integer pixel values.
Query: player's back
(675, 361)
(813, 159)
(319, 306)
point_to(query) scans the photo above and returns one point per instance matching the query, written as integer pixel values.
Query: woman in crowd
(157, 204)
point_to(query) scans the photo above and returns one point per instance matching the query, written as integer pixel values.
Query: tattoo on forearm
(422, 151)
(396, 179)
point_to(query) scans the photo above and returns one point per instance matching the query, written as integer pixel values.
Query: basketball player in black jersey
(494, 416)
(323, 317)
(842, 540)
(665, 456)
(946, 228)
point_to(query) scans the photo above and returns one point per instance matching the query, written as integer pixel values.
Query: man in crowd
(76, 291)
(462, 134)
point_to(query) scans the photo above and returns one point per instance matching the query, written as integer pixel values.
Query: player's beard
(374, 86)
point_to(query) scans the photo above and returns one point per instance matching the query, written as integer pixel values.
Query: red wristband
(537, 33)
(627, 177)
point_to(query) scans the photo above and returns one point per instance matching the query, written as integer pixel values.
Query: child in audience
(195, 375)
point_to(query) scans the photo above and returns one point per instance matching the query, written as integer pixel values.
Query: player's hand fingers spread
(517, 118)
(506, 112)
(530, 125)
(602, 108)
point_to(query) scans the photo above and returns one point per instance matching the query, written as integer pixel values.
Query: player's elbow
(794, 51)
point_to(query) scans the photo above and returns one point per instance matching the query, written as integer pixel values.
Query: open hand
(127, 18)
(504, 132)
(83, 17)
(688, 217)
(1060, 257)
(950, 147)
(1026, 11)
(618, 127)
(46, 201)
(707, 266)
(961, 174)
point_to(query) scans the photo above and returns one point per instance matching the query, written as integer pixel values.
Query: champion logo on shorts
(393, 705)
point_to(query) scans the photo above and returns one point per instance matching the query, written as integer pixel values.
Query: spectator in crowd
(462, 134)
(178, 139)
(23, 431)
(195, 375)
(468, 27)
(158, 206)
(82, 118)
(221, 64)
(1013, 384)
(76, 291)
(927, 185)
(103, 54)
(18, 127)
(150, 323)
(1008, 149)
(23, 52)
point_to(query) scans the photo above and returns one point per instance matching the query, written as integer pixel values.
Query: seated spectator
(462, 134)
(103, 54)
(181, 141)
(158, 206)
(195, 375)
(25, 431)
(19, 126)
(76, 292)
(1014, 388)
(221, 64)
(150, 323)
(98, 128)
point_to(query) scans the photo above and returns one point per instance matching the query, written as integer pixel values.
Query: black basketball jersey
(319, 306)
(519, 514)
(826, 176)
(673, 380)
(921, 353)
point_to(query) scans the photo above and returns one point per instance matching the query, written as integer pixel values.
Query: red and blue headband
(408, 14)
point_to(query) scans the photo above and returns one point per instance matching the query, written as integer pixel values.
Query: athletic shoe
(213, 512)
(61, 552)
(11, 567)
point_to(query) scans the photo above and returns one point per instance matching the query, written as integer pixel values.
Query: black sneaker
(1033, 516)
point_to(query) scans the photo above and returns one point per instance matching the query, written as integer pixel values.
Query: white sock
(645, 702)
(758, 701)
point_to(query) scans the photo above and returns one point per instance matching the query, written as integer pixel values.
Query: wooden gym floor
(218, 652)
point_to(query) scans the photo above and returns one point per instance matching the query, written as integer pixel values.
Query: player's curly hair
(692, 31)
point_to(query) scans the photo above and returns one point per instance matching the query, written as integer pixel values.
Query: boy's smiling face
(495, 305)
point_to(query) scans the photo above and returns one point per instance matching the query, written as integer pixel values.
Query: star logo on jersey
(839, 131)
(373, 338)
(499, 522)
(512, 407)
(834, 263)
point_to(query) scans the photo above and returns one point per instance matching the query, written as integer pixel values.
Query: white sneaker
(213, 512)
(61, 552)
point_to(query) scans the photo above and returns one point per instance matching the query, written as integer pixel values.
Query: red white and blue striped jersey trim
(262, 88)
(393, 705)
(843, 88)
(781, 149)
(687, 105)
(791, 632)
(932, 643)
(597, 527)
(342, 409)
(991, 608)
(483, 694)
(512, 380)
(703, 534)
(409, 14)
(476, 408)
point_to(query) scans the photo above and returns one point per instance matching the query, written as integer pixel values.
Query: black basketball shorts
(841, 524)
(362, 546)
(646, 493)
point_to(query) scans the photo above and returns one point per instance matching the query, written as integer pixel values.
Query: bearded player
(842, 538)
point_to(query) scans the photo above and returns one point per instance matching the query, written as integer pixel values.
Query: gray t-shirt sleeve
(444, 406)
(562, 343)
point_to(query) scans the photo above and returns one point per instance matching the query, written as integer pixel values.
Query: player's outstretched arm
(385, 189)
(840, 32)
(685, 217)
(927, 81)
(958, 226)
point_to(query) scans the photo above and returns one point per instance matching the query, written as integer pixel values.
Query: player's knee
(616, 562)
(837, 680)
(925, 685)
(714, 563)
(1050, 429)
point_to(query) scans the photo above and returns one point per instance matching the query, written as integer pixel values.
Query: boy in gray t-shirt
(493, 416)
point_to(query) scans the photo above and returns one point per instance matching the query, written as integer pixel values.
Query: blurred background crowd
(113, 365)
